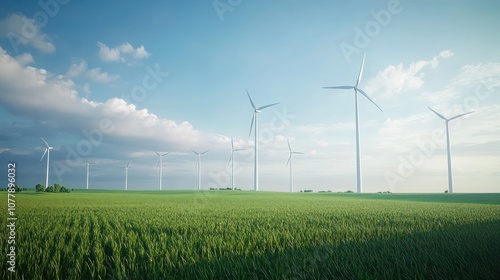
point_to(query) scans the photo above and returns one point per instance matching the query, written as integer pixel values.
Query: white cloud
(77, 69)
(395, 79)
(21, 30)
(473, 81)
(25, 59)
(50, 101)
(118, 54)
(95, 74)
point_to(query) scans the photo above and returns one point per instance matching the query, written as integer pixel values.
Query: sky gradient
(116, 81)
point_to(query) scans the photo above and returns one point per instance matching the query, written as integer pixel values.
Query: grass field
(248, 235)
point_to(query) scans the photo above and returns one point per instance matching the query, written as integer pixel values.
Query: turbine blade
(298, 153)
(43, 154)
(339, 87)
(263, 107)
(239, 150)
(361, 71)
(230, 158)
(461, 115)
(289, 158)
(165, 154)
(194, 152)
(204, 152)
(251, 102)
(289, 148)
(438, 114)
(251, 126)
(157, 153)
(45, 142)
(158, 163)
(366, 95)
(232, 144)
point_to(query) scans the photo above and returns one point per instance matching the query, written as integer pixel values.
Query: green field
(248, 235)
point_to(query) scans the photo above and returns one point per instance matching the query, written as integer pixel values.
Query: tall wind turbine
(160, 164)
(290, 161)
(356, 90)
(88, 164)
(450, 180)
(231, 160)
(198, 163)
(47, 151)
(256, 149)
(126, 175)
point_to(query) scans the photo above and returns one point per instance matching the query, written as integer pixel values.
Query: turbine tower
(290, 161)
(231, 160)
(160, 164)
(198, 163)
(88, 164)
(446, 121)
(126, 175)
(356, 90)
(256, 145)
(47, 151)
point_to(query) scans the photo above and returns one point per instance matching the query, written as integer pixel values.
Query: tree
(39, 188)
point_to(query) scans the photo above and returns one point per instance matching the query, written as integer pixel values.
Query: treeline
(56, 188)
(16, 187)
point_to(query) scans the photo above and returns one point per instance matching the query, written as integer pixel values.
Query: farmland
(189, 235)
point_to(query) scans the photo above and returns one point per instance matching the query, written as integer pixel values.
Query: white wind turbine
(198, 163)
(126, 175)
(450, 181)
(47, 151)
(88, 164)
(160, 164)
(231, 160)
(256, 145)
(290, 161)
(356, 90)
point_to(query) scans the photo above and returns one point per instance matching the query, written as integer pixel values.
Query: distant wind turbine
(290, 161)
(47, 151)
(450, 180)
(88, 164)
(126, 175)
(256, 145)
(198, 163)
(231, 160)
(356, 90)
(160, 164)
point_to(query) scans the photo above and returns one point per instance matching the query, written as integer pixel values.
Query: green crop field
(248, 235)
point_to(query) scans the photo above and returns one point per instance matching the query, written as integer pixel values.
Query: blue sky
(113, 81)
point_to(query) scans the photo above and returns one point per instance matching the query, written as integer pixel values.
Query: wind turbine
(356, 90)
(231, 160)
(198, 163)
(256, 146)
(450, 180)
(47, 151)
(290, 161)
(88, 164)
(126, 175)
(160, 163)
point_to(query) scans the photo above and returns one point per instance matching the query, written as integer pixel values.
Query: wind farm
(372, 150)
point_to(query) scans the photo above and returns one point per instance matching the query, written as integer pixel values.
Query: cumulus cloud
(395, 79)
(101, 77)
(21, 30)
(51, 101)
(119, 53)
